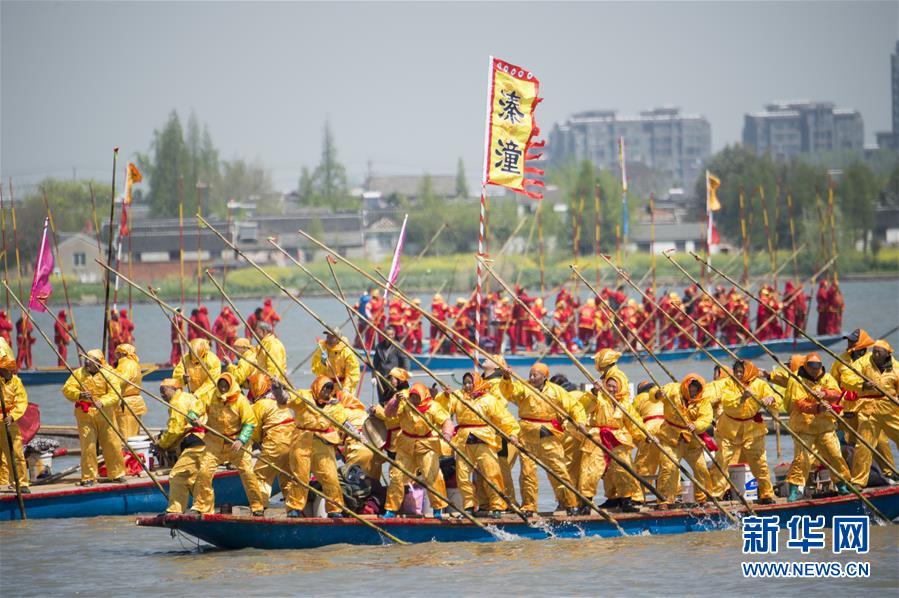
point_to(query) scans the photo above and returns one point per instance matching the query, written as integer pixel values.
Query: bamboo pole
(5, 253)
(105, 334)
(792, 233)
(744, 233)
(541, 248)
(199, 248)
(181, 233)
(833, 228)
(740, 384)
(774, 357)
(613, 315)
(13, 465)
(94, 219)
(102, 413)
(772, 254)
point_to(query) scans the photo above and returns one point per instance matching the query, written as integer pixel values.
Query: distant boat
(59, 375)
(136, 495)
(235, 532)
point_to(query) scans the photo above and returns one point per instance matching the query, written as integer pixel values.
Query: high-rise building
(890, 139)
(661, 138)
(785, 129)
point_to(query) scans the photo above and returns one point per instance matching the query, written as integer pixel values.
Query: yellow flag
(132, 176)
(712, 184)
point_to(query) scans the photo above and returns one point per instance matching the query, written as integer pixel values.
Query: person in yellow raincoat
(15, 401)
(508, 453)
(398, 379)
(184, 431)
(91, 390)
(128, 367)
(336, 359)
(242, 368)
(878, 415)
(652, 412)
(271, 355)
(229, 413)
(542, 433)
(686, 411)
(418, 446)
(715, 390)
(313, 446)
(355, 452)
(811, 418)
(274, 434)
(199, 370)
(741, 431)
(606, 424)
(606, 362)
(478, 441)
(573, 439)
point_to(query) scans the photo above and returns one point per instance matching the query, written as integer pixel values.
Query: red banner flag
(40, 286)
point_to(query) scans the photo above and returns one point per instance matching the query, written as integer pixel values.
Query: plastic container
(39, 465)
(742, 478)
(141, 446)
(686, 491)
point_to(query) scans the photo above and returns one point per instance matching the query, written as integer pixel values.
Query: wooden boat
(136, 495)
(744, 351)
(234, 532)
(59, 375)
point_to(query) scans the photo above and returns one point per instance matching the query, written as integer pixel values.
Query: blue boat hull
(111, 499)
(744, 351)
(235, 532)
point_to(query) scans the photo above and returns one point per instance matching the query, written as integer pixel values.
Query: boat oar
(625, 412)
(459, 454)
(13, 466)
(99, 409)
(612, 316)
(813, 340)
(790, 373)
(271, 464)
(745, 388)
(537, 392)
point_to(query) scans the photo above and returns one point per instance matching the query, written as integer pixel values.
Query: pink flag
(395, 264)
(40, 286)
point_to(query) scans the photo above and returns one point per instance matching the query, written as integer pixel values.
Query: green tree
(461, 182)
(856, 196)
(330, 176)
(250, 182)
(169, 162)
(306, 189)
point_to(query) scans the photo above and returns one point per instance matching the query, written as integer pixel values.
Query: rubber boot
(438, 513)
(388, 515)
(843, 489)
(795, 494)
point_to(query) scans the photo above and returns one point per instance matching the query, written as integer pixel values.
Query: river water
(81, 555)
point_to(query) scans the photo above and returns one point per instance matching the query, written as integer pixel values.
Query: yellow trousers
(506, 463)
(416, 454)
(93, 428)
(825, 444)
(749, 450)
(276, 450)
(356, 453)
(182, 478)
(669, 474)
(550, 452)
(311, 454)
(18, 455)
(487, 463)
(217, 452)
(648, 458)
(571, 444)
(128, 424)
(618, 482)
(884, 421)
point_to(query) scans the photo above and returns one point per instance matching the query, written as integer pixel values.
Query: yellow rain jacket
(274, 419)
(411, 419)
(308, 419)
(534, 410)
(341, 363)
(606, 364)
(15, 399)
(804, 416)
(231, 413)
(471, 422)
(605, 415)
(95, 384)
(199, 383)
(272, 357)
(128, 368)
(651, 410)
(178, 425)
(745, 417)
(868, 398)
(243, 369)
(697, 411)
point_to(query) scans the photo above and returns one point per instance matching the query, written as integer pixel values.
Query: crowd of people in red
(506, 325)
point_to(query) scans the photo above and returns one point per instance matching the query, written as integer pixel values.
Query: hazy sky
(404, 83)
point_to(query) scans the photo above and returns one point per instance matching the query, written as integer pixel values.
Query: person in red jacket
(396, 317)
(61, 336)
(795, 308)
(225, 331)
(835, 306)
(5, 327)
(126, 334)
(531, 329)
(115, 337)
(413, 327)
(176, 327)
(24, 342)
(822, 300)
(269, 314)
(203, 320)
(375, 309)
(440, 310)
(586, 323)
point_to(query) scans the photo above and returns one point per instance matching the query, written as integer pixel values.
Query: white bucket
(687, 493)
(141, 446)
(38, 464)
(745, 482)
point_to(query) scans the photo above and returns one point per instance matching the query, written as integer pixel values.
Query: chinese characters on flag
(511, 130)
